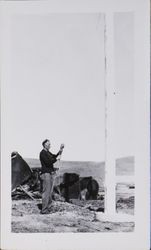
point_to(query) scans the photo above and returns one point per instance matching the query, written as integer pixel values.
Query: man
(47, 160)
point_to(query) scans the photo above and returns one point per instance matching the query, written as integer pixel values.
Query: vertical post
(110, 195)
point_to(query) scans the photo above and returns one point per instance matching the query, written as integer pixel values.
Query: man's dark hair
(43, 143)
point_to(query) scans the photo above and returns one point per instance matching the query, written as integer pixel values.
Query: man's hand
(62, 146)
(61, 149)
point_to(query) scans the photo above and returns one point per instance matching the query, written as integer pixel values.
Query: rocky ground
(76, 216)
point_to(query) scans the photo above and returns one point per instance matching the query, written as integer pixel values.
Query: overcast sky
(57, 85)
(124, 82)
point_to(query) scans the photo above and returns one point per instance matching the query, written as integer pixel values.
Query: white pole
(110, 143)
(110, 194)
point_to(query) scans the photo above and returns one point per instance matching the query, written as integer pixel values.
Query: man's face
(47, 145)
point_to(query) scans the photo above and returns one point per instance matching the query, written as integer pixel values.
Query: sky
(124, 82)
(56, 87)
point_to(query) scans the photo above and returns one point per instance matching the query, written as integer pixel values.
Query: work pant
(47, 190)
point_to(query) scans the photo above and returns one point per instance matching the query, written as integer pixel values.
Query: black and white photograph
(70, 123)
(58, 77)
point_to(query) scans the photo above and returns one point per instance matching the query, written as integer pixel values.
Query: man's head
(46, 144)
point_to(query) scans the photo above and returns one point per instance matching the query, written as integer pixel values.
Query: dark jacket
(47, 160)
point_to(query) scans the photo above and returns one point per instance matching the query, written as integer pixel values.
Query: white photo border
(140, 238)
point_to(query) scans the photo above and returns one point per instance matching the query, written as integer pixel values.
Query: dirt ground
(77, 216)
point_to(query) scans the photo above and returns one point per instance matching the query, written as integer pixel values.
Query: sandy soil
(78, 216)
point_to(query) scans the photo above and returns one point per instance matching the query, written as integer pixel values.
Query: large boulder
(73, 186)
(70, 188)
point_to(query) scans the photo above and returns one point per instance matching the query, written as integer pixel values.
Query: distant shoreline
(124, 167)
